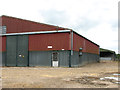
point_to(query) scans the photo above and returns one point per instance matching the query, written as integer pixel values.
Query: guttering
(71, 50)
(71, 42)
(40, 32)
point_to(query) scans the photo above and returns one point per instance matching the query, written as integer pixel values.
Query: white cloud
(95, 19)
(104, 35)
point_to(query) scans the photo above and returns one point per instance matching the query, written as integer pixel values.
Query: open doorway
(55, 59)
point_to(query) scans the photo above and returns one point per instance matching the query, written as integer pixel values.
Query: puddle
(116, 74)
(117, 82)
(113, 78)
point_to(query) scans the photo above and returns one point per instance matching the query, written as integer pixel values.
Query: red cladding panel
(90, 47)
(40, 42)
(3, 44)
(15, 25)
(0, 43)
(80, 42)
(0, 21)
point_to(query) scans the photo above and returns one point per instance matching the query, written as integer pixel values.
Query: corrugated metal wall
(85, 58)
(11, 52)
(39, 58)
(0, 44)
(15, 25)
(3, 50)
(17, 50)
(44, 58)
(3, 58)
(40, 42)
(22, 49)
(64, 57)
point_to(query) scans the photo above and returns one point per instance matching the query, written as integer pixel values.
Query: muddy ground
(87, 76)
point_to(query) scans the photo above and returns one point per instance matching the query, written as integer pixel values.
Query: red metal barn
(28, 43)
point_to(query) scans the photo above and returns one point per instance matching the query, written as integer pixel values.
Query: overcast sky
(97, 20)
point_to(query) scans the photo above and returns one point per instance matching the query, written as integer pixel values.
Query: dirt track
(46, 77)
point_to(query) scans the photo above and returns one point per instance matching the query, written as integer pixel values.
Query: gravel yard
(88, 76)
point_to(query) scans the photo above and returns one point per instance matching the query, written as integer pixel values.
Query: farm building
(106, 54)
(28, 43)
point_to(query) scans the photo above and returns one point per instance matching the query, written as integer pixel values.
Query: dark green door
(11, 50)
(22, 50)
(17, 50)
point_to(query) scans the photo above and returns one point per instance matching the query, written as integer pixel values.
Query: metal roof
(106, 50)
